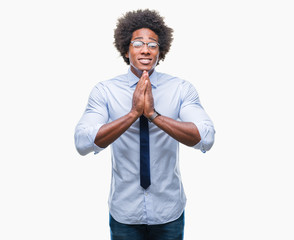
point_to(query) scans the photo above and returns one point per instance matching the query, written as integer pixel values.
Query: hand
(139, 95)
(149, 102)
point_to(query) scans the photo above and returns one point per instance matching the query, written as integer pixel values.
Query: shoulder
(112, 81)
(178, 82)
(186, 90)
(101, 88)
(166, 77)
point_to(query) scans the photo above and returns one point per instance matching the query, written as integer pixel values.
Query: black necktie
(144, 153)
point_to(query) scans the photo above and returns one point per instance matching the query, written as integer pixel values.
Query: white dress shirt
(164, 200)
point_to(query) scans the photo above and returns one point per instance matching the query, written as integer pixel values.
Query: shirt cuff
(207, 137)
(200, 146)
(93, 134)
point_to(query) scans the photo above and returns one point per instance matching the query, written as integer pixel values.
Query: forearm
(184, 132)
(109, 132)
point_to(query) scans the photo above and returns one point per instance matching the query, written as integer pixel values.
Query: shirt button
(146, 194)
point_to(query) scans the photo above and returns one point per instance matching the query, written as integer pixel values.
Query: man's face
(144, 57)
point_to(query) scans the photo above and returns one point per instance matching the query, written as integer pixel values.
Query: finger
(145, 80)
(145, 85)
(140, 85)
(144, 76)
(141, 81)
(149, 87)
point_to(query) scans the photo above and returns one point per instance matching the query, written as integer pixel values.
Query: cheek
(157, 58)
(130, 56)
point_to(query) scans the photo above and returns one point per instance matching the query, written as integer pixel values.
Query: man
(146, 200)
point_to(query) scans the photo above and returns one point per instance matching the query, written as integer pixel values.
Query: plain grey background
(239, 56)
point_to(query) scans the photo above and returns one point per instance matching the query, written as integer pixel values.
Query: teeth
(145, 61)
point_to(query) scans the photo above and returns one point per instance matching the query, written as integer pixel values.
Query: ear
(127, 55)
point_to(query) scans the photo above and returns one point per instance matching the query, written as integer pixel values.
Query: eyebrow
(142, 38)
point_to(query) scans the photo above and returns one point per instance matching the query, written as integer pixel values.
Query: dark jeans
(169, 231)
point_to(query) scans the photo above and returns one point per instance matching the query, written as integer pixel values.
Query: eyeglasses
(150, 45)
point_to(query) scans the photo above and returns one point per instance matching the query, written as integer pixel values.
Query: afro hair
(135, 20)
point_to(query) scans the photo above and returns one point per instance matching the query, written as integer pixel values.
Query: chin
(139, 68)
(145, 67)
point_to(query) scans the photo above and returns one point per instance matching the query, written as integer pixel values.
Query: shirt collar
(133, 79)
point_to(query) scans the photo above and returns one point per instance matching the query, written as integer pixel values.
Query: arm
(93, 133)
(93, 118)
(192, 111)
(195, 129)
(109, 132)
(184, 132)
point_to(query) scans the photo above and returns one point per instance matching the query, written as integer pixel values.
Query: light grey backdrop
(239, 56)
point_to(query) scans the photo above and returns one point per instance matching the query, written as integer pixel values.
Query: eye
(137, 43)
(152, 45)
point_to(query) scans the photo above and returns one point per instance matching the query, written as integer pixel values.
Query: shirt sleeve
(192, 111)
(95, 115)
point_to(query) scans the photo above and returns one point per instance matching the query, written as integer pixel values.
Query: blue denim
(169, 231)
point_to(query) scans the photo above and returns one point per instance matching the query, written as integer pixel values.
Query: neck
(139, 72)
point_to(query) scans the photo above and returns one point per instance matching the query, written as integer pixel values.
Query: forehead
(144, 33)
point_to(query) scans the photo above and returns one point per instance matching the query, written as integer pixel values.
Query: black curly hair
(135, 20)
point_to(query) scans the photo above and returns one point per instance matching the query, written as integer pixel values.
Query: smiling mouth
(145, 61)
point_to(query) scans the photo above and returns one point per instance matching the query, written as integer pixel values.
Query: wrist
(153, 115)
(134, 115)
(149, 114)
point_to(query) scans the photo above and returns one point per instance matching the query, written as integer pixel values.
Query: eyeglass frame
(145, 43)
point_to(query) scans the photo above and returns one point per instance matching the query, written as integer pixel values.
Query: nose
(145, 49)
